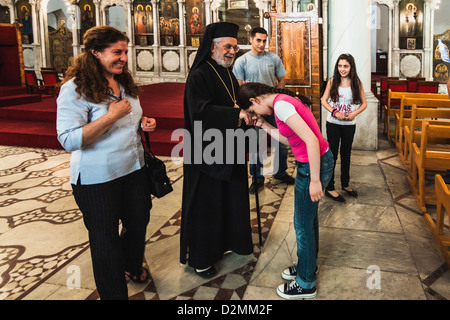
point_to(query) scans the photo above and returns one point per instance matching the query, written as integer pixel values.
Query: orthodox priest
(215, 215)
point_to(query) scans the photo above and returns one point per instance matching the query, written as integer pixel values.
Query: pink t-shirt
(298, 146)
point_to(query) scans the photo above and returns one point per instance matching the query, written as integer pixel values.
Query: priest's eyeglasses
(228, 47)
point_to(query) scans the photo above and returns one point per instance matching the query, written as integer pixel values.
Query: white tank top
(343, 105)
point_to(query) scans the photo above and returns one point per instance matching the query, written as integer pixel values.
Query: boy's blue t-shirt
(264, 69)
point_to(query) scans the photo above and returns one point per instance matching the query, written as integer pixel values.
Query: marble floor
(377, 246)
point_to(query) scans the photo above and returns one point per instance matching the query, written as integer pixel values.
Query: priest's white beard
(221, 61)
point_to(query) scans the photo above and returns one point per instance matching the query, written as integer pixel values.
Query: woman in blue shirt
(98, 119)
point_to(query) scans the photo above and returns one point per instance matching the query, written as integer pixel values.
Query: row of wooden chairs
(430, 155)
(441, 237)
(47, 86)
(411, 84)
(393, 107)
(422, 137)
(415, 110)
(409, 122)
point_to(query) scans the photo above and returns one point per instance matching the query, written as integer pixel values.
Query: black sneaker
(291, 290)
(291, 273)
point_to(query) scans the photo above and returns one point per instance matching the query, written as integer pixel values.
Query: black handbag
(160, 184)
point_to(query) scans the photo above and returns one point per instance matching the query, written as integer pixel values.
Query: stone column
(350, 32)
(182, 45)
(35, 6)
(325, 38)
(430, 7)
(74, 10)
(130, 34)
(156, 38)
(97, 12)
(396, 50)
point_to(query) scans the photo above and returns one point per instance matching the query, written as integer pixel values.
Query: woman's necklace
(233, 97)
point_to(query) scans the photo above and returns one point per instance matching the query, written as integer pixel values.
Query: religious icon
(411, 18)
(441, 73)
(195, 41)
(411, 43)
(195, 22)
(311, 6)
(441, 51)
(25, 20)
(149, 19)
(169, 41)
(140, 19)
(87, 18)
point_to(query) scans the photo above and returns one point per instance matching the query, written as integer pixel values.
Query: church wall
(164, 57)
(441, 19)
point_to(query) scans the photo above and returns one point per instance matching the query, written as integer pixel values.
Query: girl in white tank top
(344, 98)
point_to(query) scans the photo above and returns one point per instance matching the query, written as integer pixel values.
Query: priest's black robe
(215, 207)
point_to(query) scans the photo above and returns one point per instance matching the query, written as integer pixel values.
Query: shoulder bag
(160, 184)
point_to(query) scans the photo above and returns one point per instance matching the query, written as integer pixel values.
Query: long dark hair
(354, 79)
(254, 89)
(88, 72)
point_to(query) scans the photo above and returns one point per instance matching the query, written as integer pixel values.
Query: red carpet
(164, 102)
(31, 122)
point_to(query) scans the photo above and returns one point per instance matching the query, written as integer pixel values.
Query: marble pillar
(349, 31)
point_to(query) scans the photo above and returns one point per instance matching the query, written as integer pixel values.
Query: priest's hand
(244, 115)
(257, 120)
(148, 124)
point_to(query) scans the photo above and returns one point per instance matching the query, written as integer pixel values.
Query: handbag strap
(147, 141)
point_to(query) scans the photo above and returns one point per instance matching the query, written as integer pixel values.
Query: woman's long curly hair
(354, 80)
(254, 89)
(88, 71)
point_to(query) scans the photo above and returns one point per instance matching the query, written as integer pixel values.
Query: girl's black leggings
(341, 135)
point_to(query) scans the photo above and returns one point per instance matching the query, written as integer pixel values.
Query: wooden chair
(412, 126)
(392, 108)
(412, 83)
(432, 155)
(442, 208)
(421, 101)
(393, 103)
(428, 86)
(51, 78)
(384, 89)
(34, 85)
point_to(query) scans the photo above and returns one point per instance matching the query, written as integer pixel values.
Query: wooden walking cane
(258, 215)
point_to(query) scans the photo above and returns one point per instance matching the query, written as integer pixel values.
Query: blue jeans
(306, 222)
(281, 154)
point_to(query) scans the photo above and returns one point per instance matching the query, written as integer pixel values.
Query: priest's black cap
(213, 31)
